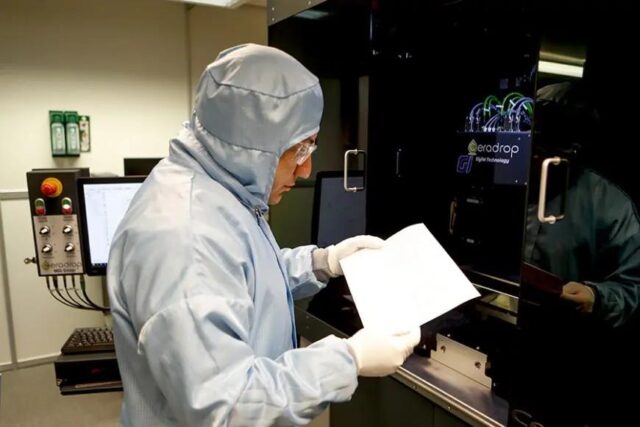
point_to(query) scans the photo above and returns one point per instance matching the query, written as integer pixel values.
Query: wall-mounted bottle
(85, 134)
(72, 133)
(58, 141)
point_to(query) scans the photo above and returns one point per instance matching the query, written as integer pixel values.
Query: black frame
(138, 166)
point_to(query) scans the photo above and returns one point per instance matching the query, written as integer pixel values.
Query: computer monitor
(140, 166)
(103, 203)
(337, 214)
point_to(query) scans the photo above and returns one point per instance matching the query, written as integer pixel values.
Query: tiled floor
(30, 398)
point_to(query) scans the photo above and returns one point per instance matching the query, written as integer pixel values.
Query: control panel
(53, 200)
(58, 244)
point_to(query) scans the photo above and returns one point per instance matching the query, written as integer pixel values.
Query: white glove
(378, 354)
(347, 247)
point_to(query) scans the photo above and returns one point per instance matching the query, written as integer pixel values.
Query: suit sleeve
(199, 357)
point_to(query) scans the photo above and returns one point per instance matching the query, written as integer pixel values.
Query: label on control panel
(57, 245)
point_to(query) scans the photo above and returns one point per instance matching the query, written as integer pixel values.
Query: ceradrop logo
(472, 147)
(497, 148)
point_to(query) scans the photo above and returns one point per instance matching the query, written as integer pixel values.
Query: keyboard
(89, 340)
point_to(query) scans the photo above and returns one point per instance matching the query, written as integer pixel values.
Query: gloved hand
(378, 354)
(580, 294)
(347, 247)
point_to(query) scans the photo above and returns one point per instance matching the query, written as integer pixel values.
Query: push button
(51, 187)
(39, 206)
(66, 206)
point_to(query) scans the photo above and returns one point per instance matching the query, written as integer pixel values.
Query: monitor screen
(103, 203)
(337, 214)
(140, 166)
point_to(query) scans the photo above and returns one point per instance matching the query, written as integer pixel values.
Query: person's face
(294, 163)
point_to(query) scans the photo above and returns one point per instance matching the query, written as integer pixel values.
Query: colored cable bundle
(493, 115)
(81, 301)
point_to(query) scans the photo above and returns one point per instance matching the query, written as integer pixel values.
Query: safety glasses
(305, 150)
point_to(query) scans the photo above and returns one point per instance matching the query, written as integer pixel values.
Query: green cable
(529, 107)
(515, 95)
(486, 106)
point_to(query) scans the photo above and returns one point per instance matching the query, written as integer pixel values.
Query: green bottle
(72, 132)
(58, 140)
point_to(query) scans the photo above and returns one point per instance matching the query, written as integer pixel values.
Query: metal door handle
(542, 199)
(346, 170)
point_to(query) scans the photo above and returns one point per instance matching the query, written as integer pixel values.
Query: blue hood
(252, 104)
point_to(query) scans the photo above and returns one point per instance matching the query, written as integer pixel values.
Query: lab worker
(201, 294)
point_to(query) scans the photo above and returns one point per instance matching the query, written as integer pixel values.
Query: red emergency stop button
(51, 187)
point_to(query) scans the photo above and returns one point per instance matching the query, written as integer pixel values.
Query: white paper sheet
(407, 283)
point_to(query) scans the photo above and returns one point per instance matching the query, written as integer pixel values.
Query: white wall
(122, 62)
(129, 64)
(213, 29)
(125, 63)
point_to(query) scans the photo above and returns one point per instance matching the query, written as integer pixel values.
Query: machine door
(581, 257)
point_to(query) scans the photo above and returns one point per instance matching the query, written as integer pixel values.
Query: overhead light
(231, 4)
(560, 69)
(312, 14)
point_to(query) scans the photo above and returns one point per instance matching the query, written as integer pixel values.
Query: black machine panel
(427, 102)
(463, 101)
(451, 104)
